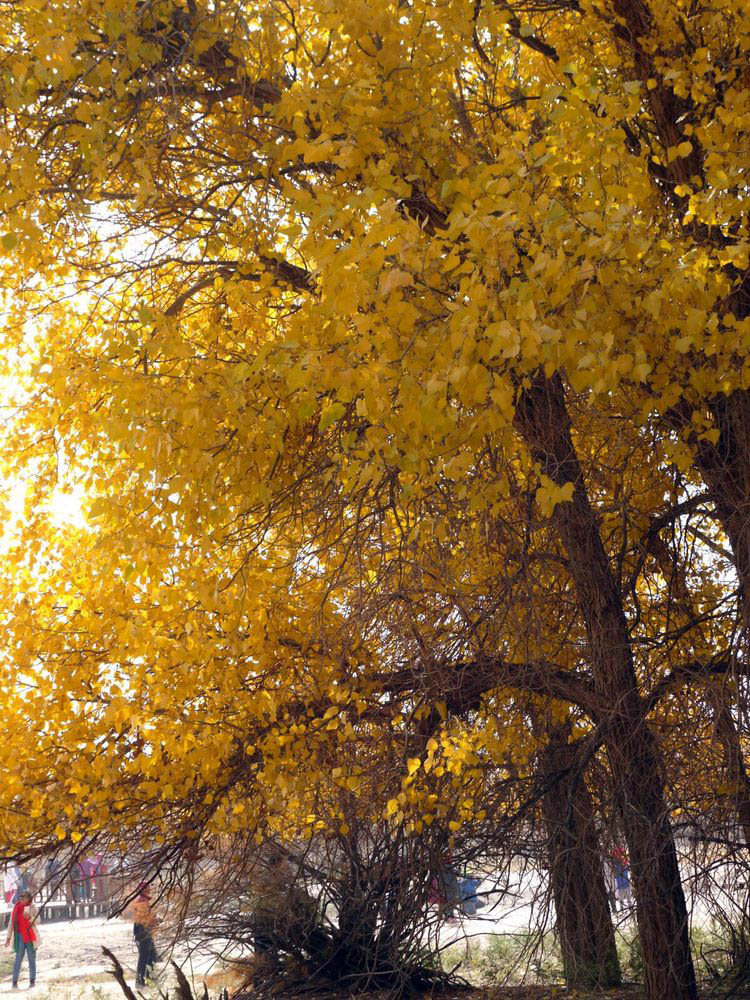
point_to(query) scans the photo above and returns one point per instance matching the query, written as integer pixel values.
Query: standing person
(100, 874)
(23, 930)
(621, 871)
(24, 885)
(450, 889)
(81, 874)
(144, 923)
(69, 888)
(87, 868)
(76, 879)
(11, 880)
(53, 878)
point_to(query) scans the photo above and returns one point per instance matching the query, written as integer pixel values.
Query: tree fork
(543, 421)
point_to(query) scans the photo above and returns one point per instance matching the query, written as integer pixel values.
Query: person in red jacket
(23, 931)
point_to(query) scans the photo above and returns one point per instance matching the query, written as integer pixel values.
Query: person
(451, 890)
(52, 877)
(81, 874)
(25, 884)
(100, 876)
(470, 902)
(445, 890)
(76, 878)
(88, 867)
(11, 881)
(144, 924)
(621, 872)
(23, 931)
(85, 886)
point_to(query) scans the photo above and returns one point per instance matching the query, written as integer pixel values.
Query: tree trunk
(719, 697)
(584, 923)
(734, 760)
(725, 468)
(542, 418)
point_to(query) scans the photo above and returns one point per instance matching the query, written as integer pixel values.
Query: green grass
(506, 959)
(511, 959)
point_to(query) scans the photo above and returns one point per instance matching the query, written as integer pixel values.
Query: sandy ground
(71, 966)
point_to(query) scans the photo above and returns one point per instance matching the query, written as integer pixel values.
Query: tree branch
(718, 665)
(118, 974)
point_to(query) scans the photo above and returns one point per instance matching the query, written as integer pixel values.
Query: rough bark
(542, 419)
(584, 923)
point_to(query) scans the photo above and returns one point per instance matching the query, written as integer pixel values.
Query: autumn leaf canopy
(279, 283)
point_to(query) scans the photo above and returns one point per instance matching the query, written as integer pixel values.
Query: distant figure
(91, 869)
(24, 885)
(470, 902)
(449, 891)
(144, 923)
(621, 872)
(23, 931)
(81, 875)
(100, 876)
(76, 879)
(86, 867)
(52, 877)
(11, 881)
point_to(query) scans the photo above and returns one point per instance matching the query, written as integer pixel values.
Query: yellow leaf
(549, 495)
(330, 415)
(394, 279)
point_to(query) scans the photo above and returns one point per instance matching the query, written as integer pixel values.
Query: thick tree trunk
(542, 418)
(584, 923)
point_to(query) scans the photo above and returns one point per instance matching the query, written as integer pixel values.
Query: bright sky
(66, 502)
(66, 505)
